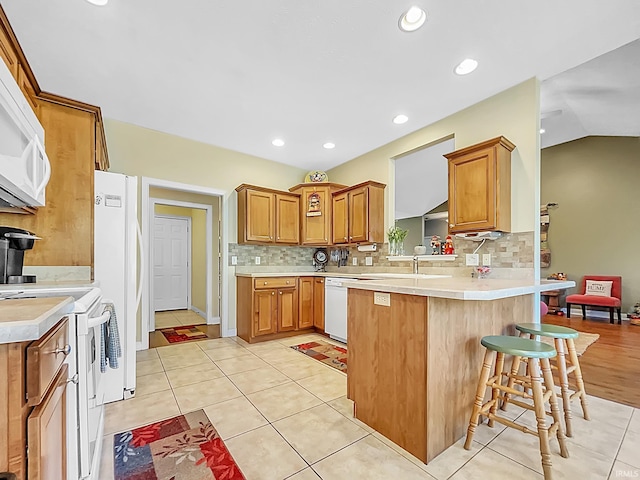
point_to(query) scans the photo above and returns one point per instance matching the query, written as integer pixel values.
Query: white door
(171, 263)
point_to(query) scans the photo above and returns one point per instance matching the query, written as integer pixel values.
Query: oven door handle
(97, 321)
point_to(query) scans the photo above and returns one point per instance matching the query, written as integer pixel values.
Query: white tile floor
(177, 318)
(283, 415)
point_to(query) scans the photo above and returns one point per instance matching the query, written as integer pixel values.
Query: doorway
(209, 205)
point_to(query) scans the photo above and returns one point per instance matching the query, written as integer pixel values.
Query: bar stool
(563, 339)
(539, 371)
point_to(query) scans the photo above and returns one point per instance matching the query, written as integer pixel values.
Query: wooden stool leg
(485, 372)
(564, 383)
(538, 403)
(553, 402)
(515, 368)
(573, 358)
(495, 392)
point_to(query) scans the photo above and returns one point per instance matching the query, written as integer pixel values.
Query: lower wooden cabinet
(318, 303)
(274, 307)
(33, 433)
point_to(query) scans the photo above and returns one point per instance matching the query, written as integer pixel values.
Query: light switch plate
(472, 259)
(383, 299)
(368, 261)
(486, 259)
(354, 261)
(234, 259)
(257, 260)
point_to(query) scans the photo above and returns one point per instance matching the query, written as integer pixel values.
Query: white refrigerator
(116, 241)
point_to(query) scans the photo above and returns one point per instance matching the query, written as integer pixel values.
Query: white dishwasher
(335, 308)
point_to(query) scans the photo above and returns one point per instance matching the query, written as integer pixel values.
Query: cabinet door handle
(73, 379)
(278, 238)
(273, 293)
(345, 238)
(66, 350)
(270, 237)
(280, 293)
(287, 282)
(452, 224)
(265, 283)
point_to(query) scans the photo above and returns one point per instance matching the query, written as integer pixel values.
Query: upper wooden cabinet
(76, 146)
(316, 212)
(358, 214)
(480, 187)
(267, 216)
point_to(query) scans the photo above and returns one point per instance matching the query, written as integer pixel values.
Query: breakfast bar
(414, 351)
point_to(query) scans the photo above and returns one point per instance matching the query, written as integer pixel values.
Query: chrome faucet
(415, 264)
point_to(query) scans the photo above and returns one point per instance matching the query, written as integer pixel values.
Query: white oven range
(86, 388)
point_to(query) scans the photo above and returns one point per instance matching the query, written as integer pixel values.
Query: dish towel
(110, 348)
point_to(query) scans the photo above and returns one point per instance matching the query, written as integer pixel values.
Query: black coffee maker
(13, 243)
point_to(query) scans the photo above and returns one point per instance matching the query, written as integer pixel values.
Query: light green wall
(414, 237)
(595, 227)
(140, 151)
(198, 251)
(513, 113)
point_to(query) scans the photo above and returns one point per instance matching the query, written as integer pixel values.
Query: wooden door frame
(147, 216)
(157, 201)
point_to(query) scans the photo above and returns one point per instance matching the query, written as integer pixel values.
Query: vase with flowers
(396, 240)
(483, 272)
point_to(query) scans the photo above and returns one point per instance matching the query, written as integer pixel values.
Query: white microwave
(24, 167)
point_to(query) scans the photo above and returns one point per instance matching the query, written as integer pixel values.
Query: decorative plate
(316, 176)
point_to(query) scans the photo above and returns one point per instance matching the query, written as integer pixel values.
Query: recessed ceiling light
(542, 130)
(278, 142)
(400, 119)
(99, 3)
(466, 66)
(329, 145)
(412, 19)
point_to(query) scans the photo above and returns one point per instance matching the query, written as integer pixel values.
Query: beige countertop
(459, 288)
(27, 319)
(359, 276)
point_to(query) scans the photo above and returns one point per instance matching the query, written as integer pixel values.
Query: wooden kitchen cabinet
(480, 187)
(358, 214)
(271, 307)
(267, 216)
(318, 303)
(306, 295)
(33, 405)
(316, 210)
(76, 146)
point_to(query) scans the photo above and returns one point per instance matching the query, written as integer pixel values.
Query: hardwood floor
(610, 366)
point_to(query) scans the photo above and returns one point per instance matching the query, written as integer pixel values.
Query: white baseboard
(139, 346)
(214, 321)
(591, 313)
(198, 311)
(230, 333)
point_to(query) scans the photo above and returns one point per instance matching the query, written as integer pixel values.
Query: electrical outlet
(486, 259)
(472, 260)
(234, 259)
(383, 299)
(368, 261)
(354, 261)
(258, 261)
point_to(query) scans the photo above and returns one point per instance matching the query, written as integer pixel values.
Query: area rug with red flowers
(183, 333)
(186, 447)
(324, 352)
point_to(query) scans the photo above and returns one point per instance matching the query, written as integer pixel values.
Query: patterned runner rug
(324, 352)
(183, 334)
(186, 447)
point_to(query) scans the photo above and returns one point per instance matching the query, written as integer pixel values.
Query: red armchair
(611, 302)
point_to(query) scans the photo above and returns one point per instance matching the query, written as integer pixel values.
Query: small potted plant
(396, 238)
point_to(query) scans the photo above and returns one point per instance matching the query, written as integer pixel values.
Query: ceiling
(599, 97)
(238, 74)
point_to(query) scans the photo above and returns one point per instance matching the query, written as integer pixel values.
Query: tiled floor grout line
(622, 442)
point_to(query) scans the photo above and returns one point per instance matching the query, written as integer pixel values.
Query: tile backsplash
(511, 257)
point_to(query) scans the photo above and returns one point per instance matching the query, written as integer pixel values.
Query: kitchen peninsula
(415, 353)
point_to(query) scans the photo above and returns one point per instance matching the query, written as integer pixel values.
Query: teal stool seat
(546, 330)
(521, 347)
